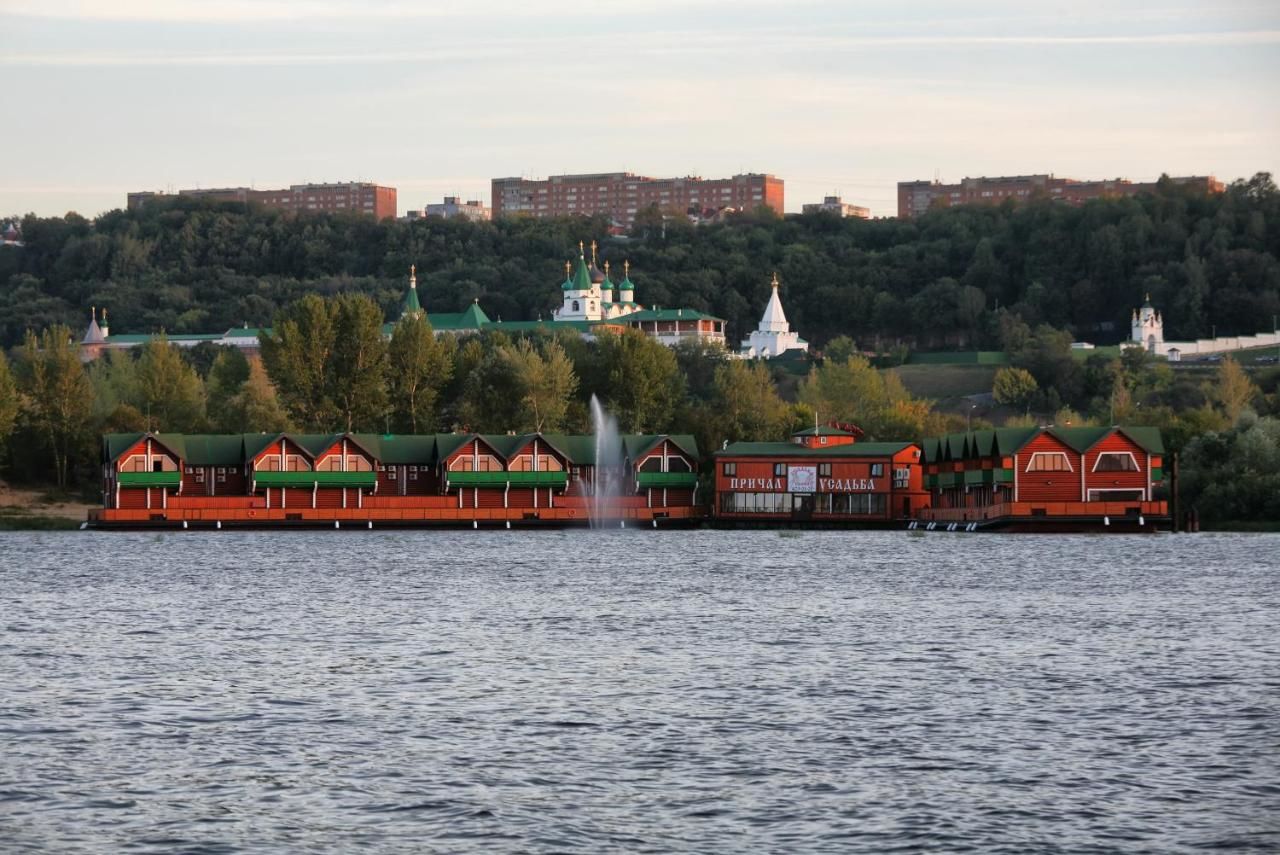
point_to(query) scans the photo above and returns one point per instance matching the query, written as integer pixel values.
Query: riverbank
(24, 509)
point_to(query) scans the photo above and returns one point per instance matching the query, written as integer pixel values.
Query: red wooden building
(822, 476)
(1054, 477)
(457, 479)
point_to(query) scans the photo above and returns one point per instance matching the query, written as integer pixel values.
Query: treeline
(1210, 262)
(327, 367)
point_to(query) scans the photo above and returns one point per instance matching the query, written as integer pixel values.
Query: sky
(437, 97)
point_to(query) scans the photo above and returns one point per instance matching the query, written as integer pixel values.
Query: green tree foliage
(853, 391)
(1014, 387)
(638, 380)
(746, 405)
(192, 266)
(297, 356)
(518, 387)
(58, 396)
(227, 374)
(169, 392)
(255, 407)
(8, 401)
(1232, 389)
(1234, 475)
(420, 365)
(357, 369)
(839, 349)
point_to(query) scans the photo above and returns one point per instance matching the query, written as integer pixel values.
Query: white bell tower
(1147, 327)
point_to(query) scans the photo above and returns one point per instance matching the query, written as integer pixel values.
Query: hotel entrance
(801, 506)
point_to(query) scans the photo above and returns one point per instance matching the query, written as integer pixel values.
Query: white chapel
(774, 336)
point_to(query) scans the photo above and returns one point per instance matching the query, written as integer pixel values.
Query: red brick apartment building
(352, 196)
(621, 194)
(917, 197)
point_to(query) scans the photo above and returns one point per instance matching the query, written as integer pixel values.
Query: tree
(546, 382)
(297, 354)
(1232, 389)
(1013, 387)
(420, 365)
(641, 382)
(227, 374)
(8, 401)
(357, 370)
(255, 407)
(746, 402)
(58, 395)
(169, 390)
(839, 349)
(854, 391)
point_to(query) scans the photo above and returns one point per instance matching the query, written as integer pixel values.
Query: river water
(701, 691)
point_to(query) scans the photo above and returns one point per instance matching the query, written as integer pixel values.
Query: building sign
(803, 479)
(761, 484)
(847, 485)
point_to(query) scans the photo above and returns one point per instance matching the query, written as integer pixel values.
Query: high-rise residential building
(835, 205)
(451, 207)
(620, 195)
(349, 196)
(917, 197)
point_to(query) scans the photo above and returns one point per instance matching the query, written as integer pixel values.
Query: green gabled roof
(1079, 438)
(579, 448)
(213, 449)
(791, 449)
(983, 442)
(246, 332)
(473, 319)
(448, 443)
(668, 315)
(129, 338)
(116, 444)
(1009, 440)
(639, 444)
(822, 430)
(396, 449)
(1148, 438)
(255, 442)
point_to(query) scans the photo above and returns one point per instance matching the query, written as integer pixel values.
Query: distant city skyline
(437, 99)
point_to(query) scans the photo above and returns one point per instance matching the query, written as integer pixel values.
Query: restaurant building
(822, 476)
(1047, 478)
(218, 480)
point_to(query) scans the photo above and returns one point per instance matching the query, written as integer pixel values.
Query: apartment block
(835, 205)
(342, 197)
(620, 195)
(917, 197)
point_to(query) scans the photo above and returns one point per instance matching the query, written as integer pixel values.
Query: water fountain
(607, 480)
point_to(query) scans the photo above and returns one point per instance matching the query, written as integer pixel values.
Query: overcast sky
(436, 97)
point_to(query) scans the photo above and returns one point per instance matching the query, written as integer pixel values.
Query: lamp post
(968, 418)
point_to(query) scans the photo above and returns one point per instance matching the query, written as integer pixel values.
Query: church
(774, 336)
(1147, 332)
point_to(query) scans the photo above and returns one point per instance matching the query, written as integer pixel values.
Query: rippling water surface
(638, 692)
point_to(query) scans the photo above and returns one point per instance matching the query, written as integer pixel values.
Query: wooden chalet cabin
(458, 479)
(1054, 478)
(822, 476)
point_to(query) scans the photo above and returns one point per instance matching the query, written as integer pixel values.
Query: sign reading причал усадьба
(804, 479)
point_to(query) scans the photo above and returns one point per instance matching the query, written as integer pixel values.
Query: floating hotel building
(366, 479)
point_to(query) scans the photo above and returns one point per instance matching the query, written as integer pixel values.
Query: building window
(222, 476)
(822, 440)
(391, 473)
(877, 470)
(1049, 461)
(1116, 461)
(779, 470)
(824, 470)
(730, 469)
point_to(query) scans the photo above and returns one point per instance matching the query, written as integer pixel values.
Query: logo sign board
(802, 479)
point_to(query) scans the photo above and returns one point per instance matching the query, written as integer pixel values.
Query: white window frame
(1061, 454)
(1136, 466)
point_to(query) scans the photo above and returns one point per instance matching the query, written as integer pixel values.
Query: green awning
(315, 479)
(667, 479)
(150, 479)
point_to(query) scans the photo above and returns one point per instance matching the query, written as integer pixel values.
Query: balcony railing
(150, 479)
(548, 478)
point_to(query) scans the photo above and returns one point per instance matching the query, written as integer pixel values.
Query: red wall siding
(1116, 442)
(1047, 486)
